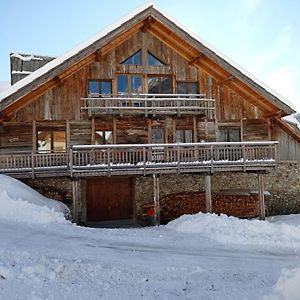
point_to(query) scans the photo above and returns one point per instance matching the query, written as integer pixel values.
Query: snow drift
(266, 235)
(21, 203)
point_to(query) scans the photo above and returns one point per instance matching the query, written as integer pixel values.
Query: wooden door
(109, 198)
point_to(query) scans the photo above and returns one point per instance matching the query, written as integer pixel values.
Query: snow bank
(21, 203)
(287, 286)
(233, 231)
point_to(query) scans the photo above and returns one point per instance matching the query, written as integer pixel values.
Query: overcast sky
(263, 36)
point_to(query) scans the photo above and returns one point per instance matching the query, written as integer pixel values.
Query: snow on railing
(143, 159)
(146, 104)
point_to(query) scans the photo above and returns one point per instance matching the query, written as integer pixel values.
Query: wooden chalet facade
(143, 98)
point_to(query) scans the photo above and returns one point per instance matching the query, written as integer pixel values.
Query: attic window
(134, 59)
(153, 61)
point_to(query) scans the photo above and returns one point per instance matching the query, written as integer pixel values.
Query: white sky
(260, 35)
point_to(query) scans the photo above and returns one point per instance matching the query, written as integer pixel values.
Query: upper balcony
(148, 104)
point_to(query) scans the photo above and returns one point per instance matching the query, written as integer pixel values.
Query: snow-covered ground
(201, 256)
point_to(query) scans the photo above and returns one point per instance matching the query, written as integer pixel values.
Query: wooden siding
(288, 148)
(63, 101)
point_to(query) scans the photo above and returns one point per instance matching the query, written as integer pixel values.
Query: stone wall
(283, 186)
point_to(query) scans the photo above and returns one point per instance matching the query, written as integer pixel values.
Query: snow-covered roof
(279, 100)
(292, 120)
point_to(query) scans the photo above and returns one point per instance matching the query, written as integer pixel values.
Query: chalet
(146, 115)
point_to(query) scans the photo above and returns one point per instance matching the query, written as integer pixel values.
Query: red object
(151, 212)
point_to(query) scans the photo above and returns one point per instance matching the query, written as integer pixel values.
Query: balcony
(143, 159)
(148, 104)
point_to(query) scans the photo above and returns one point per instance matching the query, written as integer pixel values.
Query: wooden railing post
(108, 160)
(261, 197)
(71, 162)
(144, 161)
(244, 158)
(208, 201)
(32, 164)
(178, 158)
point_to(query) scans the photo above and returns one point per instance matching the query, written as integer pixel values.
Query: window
(160, 85)
(229, 134)
(97, 87)
(51, 141)
(128, 84)
(187, 87)
(184, 136)
(157, 136)
(153, 61)
(103, 137)
(134, 59)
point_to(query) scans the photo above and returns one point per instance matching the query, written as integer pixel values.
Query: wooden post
(75, 194)
(261, 197)
(208, 194)
(156, 199)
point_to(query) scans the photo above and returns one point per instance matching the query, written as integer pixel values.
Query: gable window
(103, 137)
(153, 61)
(160, 85)
(51, 141)
(184, 136)
(97, 87)
(229, 134)
(187, 87)
(134, 59)
(128, 84)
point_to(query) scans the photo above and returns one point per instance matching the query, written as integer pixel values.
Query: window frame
(149, 76)
(129, 83)
(52, 141)
(186, 88)
(99, 81)
(227, 130)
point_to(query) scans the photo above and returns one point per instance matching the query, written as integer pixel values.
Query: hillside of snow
(202, 256)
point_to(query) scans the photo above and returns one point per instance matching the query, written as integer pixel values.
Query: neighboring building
(146, 109)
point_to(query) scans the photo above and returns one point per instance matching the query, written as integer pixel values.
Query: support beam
(208, 201)
(156, 199)
(75, 198)
(261, 197)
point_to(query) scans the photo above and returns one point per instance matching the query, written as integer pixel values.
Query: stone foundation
(283, 186)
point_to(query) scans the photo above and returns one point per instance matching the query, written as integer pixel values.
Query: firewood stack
(243, 205)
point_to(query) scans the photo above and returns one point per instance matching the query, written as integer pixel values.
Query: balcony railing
(154, 104)
(143, 159)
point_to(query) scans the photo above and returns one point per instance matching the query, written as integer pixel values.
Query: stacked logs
(243, 205)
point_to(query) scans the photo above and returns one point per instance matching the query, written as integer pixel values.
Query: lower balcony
(143, 159)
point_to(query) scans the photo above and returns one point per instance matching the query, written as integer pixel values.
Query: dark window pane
(192, 88)
(122, 84)
(188, 138)
(160, 85)
(223, 135)
(184, 136)
(94, 87)
(157, 136)
(153, 61)
(187, 87)
(166, 85)
(234, 135)
(181, 88)
(105, 87)
(229, 135)
(135, 59)
(136, 84)
(153, 85)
